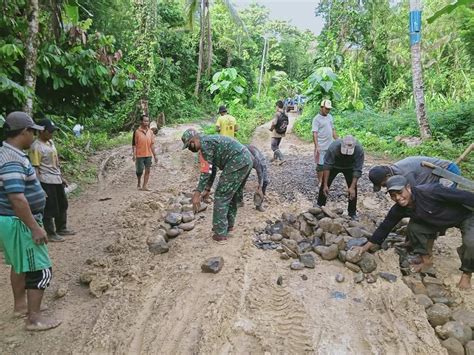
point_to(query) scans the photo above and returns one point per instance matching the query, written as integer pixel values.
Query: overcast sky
(299, 13)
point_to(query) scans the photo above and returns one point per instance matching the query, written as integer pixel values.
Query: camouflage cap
(187, 135)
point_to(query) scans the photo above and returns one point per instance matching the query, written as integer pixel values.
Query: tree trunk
(31, 53)
(201, 50)
(418, 93)
(209, 38)
(228, 63)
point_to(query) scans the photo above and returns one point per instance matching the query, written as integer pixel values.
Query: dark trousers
(276, 148)
(55, 211)
(348, 175)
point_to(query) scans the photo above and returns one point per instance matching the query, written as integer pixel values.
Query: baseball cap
(348, 145)
(396, 183)
(19, 120)
(326, 103)
(48, 125)
(377, 175)
(222, 109)
(187, 135)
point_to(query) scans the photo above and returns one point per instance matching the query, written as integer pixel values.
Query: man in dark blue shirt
(432, 208)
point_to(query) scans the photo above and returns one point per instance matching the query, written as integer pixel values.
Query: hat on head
(348, 145)
(326, 103)
(187, 135)
(19, 120)
(222, 109)
(48, 125)
(377, 175)
(396, 183)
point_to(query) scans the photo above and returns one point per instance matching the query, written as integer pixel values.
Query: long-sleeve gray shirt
(417, 174)
(335, 159)
(259, 164)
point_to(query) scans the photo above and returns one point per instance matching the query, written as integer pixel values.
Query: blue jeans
(455, 170)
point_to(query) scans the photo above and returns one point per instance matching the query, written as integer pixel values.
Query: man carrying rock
(278, 126)
(260, 166)
(235, 161)
(412, 169)
(431, 208)
(324, 134)
(143, 148)
(22, 237)
(344, 156)
(226, 124)
(44, 157)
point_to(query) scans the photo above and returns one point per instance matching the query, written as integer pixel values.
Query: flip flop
(38, 327)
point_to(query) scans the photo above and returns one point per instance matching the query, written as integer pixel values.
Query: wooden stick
(466, 152)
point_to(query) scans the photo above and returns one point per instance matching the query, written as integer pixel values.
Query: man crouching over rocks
(235, 161)
(432, 208)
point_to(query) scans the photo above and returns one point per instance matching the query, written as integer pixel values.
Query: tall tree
(415, 44)
(31, 53)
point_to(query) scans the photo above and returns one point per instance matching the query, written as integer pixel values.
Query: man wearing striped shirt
(22, 237)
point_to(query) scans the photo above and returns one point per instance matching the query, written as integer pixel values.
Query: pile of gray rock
(179, 218)
(454, 326)
(321, 232)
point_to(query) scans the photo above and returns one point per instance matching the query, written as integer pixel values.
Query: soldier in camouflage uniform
(235, 161)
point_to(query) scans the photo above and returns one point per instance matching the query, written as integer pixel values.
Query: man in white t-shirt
(324, 134)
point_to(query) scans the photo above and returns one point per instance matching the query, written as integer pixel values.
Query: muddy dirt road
(164, 304)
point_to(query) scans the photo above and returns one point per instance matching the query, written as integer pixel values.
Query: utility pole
(415, 46)
(263, 62)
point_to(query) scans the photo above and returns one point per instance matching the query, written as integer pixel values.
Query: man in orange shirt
(143, 148)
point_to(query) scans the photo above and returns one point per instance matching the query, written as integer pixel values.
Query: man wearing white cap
(324, 134)
(344, 156)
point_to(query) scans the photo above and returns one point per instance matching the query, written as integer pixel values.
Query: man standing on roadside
(235, 161)
(344, 156)
(432, 208)
(278, 126)
(324, 134)
(22, 237)
(226, 124)
(44, 157)
(143, 148)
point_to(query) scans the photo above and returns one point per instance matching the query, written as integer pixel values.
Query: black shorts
(56, 201)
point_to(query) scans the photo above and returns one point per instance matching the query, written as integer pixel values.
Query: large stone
(305, 228)
(470, 348)
(296, 265)
(436, 291)
(99, 285)
(352, 267)
(213, 265)
(308, 260)
(203, 207)
(464, 316)
(355, 232)
(188, 217)
(288, 217)
(388, 276)
(356, 242)
(290, 244)
(87, 276)
(174, 208)
(335, 239)
(331, 226)
(185, 201)
(367, 263)
(428, 280)
(159, 246)
(287, 230)
(328, 212)
(416, 286)
(187, 226)
(276, 237)
(315, 211)
(453, 346)
(173, 218)
(456, 330)
(318, 233)
(325, 224)
(327, 253)
(173, 232)
(342, 256)
(424, 300)
(359, 277)
(187, 208)
(353, 256)
(304, 247)
(438, 314)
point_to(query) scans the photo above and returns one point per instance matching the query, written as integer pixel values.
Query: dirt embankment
(165, 304)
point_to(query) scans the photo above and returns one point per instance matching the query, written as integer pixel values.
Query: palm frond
(234, 15)
(192, 6)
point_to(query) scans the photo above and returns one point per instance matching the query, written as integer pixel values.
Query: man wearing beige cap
(344, 156)
(22, 237)
(324, 134)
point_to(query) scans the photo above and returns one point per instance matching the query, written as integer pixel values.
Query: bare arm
(334, 134)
